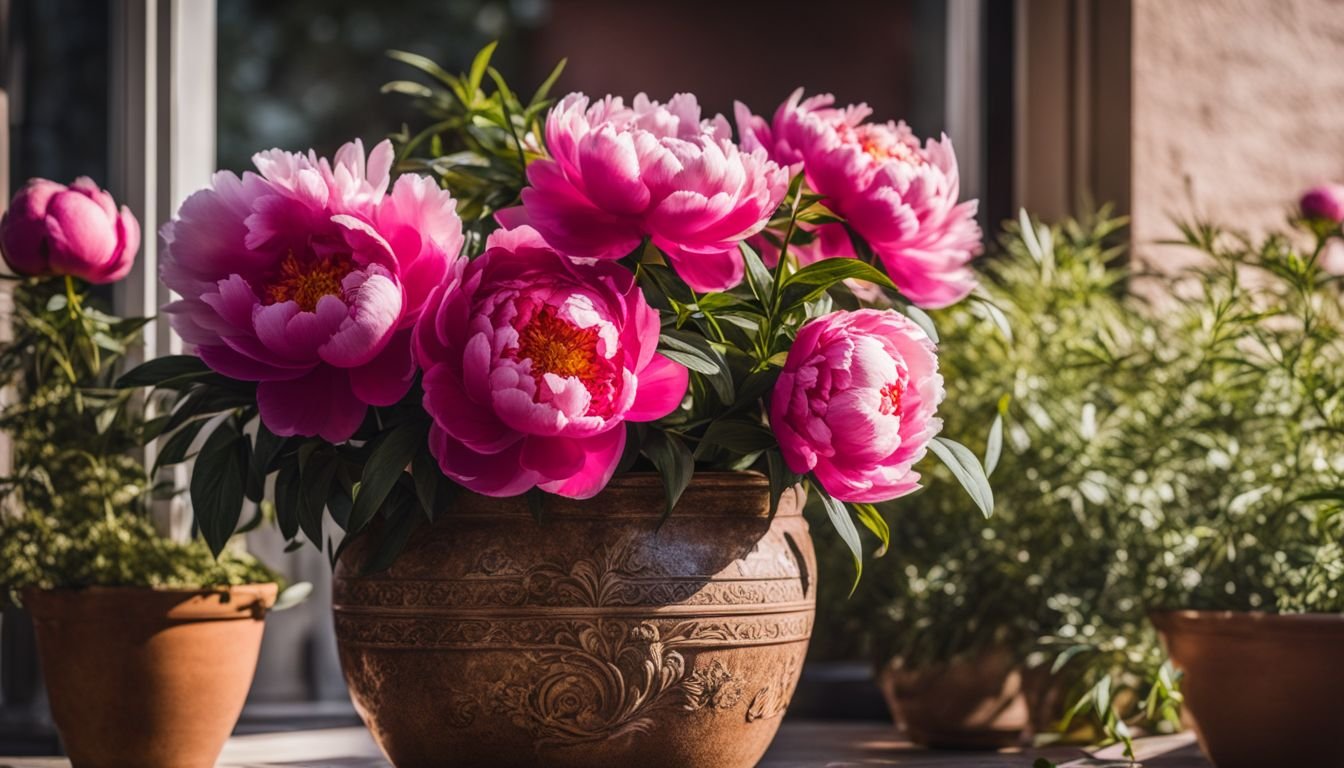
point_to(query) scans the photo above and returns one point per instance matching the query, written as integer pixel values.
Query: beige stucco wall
(1241, 99)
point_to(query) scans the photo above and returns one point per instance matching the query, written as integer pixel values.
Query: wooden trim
(1074, 110)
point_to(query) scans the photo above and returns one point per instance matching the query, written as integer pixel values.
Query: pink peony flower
(900, 197)
(532, 364)
(52, 229)
(619, 174)
(308, 279)
(1324, 202)
(855, 403)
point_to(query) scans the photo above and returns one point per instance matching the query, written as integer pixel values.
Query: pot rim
(246, 601)
(633, 486)
(1245, 622)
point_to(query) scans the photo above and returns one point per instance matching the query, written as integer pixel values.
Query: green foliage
(75, 503)
(480, 135)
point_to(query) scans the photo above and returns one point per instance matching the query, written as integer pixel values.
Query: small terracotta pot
(603, 635)
(146, 678)
(968, 703)
(1260, 689)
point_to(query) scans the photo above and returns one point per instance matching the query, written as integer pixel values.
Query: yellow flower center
(305, 282)
(556, 346)
(882, 146)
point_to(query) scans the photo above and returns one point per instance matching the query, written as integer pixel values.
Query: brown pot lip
(636, 484)
(1245, 622)
(245, 601)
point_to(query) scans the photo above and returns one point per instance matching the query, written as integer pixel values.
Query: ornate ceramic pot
(595, 637)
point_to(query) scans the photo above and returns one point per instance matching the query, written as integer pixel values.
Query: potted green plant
(147, 645)
(966, 618)
(1248, 594)
(562, 386)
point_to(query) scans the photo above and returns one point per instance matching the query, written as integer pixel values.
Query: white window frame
(162, 148)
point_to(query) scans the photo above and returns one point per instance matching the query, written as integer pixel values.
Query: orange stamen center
(891, 398)
(305, 282)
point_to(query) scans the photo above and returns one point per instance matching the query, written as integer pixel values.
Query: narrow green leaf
(698, 354)
(759, 279)
(923, 320)
(217, 485)
(161, 369)
(478, 66)
(316, 476)
(265, 448)
(174, 451)
(968, 471)
(287, 499)
(994, 444)
(872, 519)
(393, 537)
(844, 525)
(816, 278)
(782, 478)
(544, 90)
(739, 435)
(390, 457)
(673, 461)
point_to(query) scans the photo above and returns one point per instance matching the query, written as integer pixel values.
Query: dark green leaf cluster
(76, 500)
(476, 144)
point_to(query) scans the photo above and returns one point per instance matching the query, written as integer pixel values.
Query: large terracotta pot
(1260, 689)
(145, 678)
(603, 635)
(968, 703)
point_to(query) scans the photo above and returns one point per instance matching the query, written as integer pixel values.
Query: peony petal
(662, 385)
(320, 404)
(388, 377)
(602, 453)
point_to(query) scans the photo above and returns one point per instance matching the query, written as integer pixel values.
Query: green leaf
(872, 519)
(698, 354)
(392, 454)
(266, 447)
(923, 320)
(844, 525)
(536, 503)
(544, 90)
(217, 482)
(394, 536)
(815, 279)
(966, 467)
(316, 476)
(673, 461)
(287, 499)
(739, 436)
(425, 65)
(781, 477)
(759, 279)
(174, 451)
(292, 596)
(432, 489)
(994, 444)
(160, 369)
(478, 66)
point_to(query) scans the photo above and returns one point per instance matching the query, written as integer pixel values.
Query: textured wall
(1242, 98)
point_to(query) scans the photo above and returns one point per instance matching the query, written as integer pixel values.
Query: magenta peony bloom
(52, 229)
(308, 279)
(617, 175)
(532, 364)
(900, 197)
(855, 403)
(1324, 202)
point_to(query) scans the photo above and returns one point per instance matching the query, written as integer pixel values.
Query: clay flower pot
(968, 703)
(595, 637)
(146, 678)
(1260, 689)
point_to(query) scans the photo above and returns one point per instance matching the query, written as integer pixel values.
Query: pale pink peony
(308, 279)
(855, 404)
(1324, 202)
(618, 174)
(533, 362)
(900, 197)
(52, 229)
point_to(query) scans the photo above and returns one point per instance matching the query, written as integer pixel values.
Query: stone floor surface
(800, 744)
